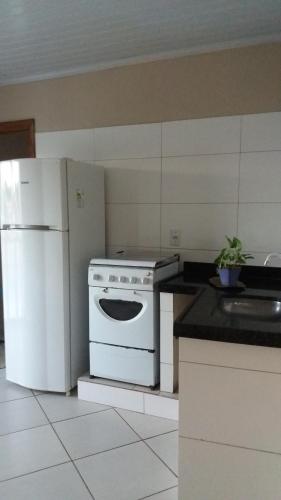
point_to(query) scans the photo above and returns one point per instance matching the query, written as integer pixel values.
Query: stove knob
(111, 277)
(134, 279)
(123, 279)
(146, 281)
(97, 277)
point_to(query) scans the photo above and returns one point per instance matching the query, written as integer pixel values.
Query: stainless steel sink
(252, 307)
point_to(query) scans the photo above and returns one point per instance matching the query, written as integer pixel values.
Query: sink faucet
(269, 257)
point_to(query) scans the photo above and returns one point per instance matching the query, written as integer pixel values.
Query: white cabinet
(211, 471)
(230, 414)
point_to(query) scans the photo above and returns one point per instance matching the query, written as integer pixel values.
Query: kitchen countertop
(204, 319)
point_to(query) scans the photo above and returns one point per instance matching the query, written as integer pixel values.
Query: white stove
(124, 317)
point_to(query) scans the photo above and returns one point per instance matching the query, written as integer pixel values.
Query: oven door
(123, 317)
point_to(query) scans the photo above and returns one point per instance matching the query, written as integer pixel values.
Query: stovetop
(136, 260)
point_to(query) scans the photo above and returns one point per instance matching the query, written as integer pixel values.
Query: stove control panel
(134, 280)
(120, 277)
(130, 277)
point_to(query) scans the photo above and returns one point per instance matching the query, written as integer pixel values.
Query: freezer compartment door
(124, 317)
(36, 308)
(34, 193)
(127, 365)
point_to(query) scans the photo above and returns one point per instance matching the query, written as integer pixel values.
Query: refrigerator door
(34, 193)
(36, 308)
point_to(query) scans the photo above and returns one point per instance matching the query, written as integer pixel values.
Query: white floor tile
(128, 473)
(29, 451)
(10, 391)
(20, 414)
(146, 425)
(57, 483)
(166, 447)
(94, 433)
(171, 494)
(59, 407)
(2, 373)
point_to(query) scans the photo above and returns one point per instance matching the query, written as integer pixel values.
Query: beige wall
(228, 82)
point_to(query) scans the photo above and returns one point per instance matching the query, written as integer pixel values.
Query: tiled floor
(54, 447)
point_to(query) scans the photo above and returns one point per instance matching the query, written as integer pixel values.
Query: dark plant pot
(229, 276)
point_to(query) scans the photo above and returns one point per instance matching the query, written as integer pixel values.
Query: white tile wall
(204, 136)
(131, 141)
(260, 226)
(133, 180)
(75, 144)
(260, 177)
(261, 132)
(200, 179)
(190, 183)
(133, 225)
(201, 226)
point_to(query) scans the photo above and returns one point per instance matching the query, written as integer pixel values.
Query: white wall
(206, 178)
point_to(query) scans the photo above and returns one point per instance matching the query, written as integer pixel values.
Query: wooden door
(17, 139)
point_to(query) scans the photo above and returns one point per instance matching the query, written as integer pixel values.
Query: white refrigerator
(52, 224)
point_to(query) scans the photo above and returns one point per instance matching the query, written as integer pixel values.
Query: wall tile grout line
(185, 155)
(196, 203)
(161, 183)
(239, 173)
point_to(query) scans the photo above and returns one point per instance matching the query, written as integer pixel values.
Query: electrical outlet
(175, 237)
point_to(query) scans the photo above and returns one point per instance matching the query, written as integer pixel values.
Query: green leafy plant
(232, 256)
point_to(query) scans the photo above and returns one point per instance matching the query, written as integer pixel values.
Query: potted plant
(230, 260)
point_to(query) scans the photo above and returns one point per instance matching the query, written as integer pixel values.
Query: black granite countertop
(205, 318)
(178, 284)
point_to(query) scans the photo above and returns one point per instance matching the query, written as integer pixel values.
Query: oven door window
(121, 310)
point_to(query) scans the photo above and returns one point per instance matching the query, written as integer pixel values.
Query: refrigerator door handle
(27, 226)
